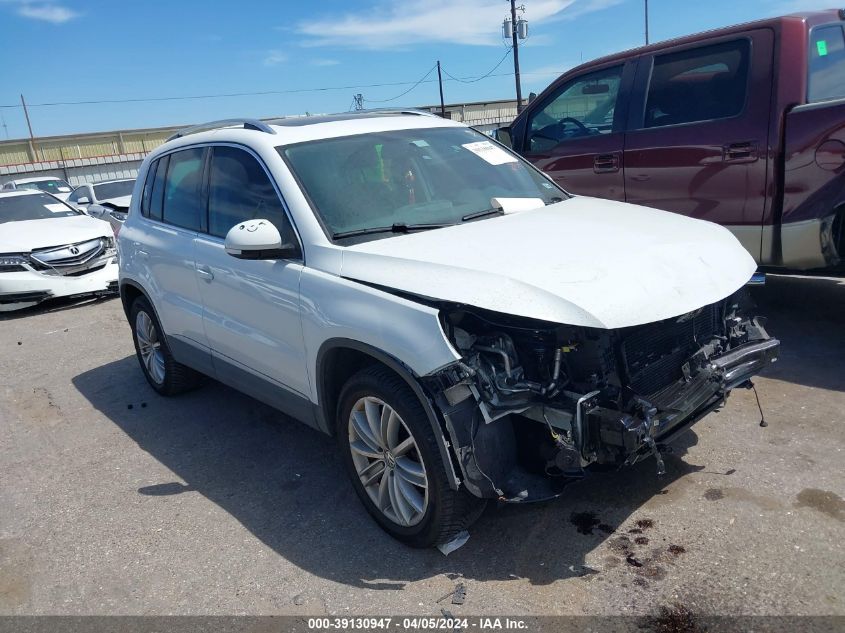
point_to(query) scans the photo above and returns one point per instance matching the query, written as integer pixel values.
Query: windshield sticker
(821, 46)
(56, 208)
(489, 152)
(420, 143)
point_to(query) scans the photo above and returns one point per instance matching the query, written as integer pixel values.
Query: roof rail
(416, 111)
(247, 124)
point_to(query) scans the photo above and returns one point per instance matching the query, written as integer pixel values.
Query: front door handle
(143, 254)
(205, 273)
(606, 163)
(742, 152)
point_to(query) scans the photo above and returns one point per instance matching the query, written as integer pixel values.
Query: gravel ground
(116, 501)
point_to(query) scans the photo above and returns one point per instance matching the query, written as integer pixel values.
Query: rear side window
(239, 189)
(146, 194)
(698, 85)
(827, 64)
(159, 171)
(183, 189)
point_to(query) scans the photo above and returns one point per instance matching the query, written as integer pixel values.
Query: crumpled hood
(583, 261)
(28, 235)
(120, 201)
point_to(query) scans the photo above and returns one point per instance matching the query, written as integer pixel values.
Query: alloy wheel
(388, 461)
(149, 347)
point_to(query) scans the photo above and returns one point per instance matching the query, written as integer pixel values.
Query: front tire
(392, 457)
(161, 370)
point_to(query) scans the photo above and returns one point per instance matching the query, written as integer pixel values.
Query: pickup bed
(743, 126)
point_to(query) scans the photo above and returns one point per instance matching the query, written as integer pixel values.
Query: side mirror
(258, 239)
(84, 200)
(503, 135)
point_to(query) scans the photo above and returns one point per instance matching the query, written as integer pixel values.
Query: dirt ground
(114, 500)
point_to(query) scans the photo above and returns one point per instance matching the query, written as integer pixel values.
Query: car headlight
(110, 249)
(12, 263)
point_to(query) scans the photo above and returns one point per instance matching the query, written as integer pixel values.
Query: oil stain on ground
(674, 619)
(741, 494)
(584, 522)
(822, 500)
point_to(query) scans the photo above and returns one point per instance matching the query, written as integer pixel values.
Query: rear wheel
(392, 457)
(160, 369)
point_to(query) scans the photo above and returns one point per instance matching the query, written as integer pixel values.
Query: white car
(97, 193)
(464, 327)
(49, 184)
(108, 200)
(49, 249)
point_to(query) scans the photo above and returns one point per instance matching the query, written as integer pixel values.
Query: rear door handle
(205, 273)
(743, 152)
(143, 254)
(606, 163)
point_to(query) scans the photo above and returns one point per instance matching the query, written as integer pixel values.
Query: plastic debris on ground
(455, 543)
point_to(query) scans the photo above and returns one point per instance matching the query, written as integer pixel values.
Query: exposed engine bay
(533, 404)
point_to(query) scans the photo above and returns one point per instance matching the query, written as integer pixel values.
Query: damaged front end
(532, 404)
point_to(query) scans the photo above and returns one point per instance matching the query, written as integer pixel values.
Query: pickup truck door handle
(606, 163)
(744, 152)
(205, 273)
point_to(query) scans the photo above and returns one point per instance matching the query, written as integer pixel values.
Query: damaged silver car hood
(583, 261)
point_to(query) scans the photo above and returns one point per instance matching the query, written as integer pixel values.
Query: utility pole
(32, 155)
(440, 81)
(646, 22)
(515, 40)
(26, 114)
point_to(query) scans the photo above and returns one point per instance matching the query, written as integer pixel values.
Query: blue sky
(93, 50)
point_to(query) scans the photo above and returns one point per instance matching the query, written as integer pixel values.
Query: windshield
(32, 207)
(430, 177)
(114, 189)
(50, 186)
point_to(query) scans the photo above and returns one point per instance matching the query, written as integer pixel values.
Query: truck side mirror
(503, 135)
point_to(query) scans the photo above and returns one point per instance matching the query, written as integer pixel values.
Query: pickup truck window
(583, 107)
(827, 64)
(698, 85)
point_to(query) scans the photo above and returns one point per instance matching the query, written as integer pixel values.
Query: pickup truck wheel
(160, 369)
(390, 452)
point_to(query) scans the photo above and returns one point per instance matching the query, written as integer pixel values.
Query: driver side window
(583, 107)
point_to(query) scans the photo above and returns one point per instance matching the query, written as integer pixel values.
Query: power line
(424, 77)
(465, 80)
(270, 92)
(214, 96)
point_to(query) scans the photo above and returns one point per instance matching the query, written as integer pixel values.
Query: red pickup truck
(743, 126)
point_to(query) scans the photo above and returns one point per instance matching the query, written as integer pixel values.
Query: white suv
(463, 326)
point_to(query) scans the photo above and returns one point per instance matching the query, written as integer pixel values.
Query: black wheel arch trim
(406, 374)
(127, 307)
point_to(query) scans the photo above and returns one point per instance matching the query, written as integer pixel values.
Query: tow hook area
(651, 424)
